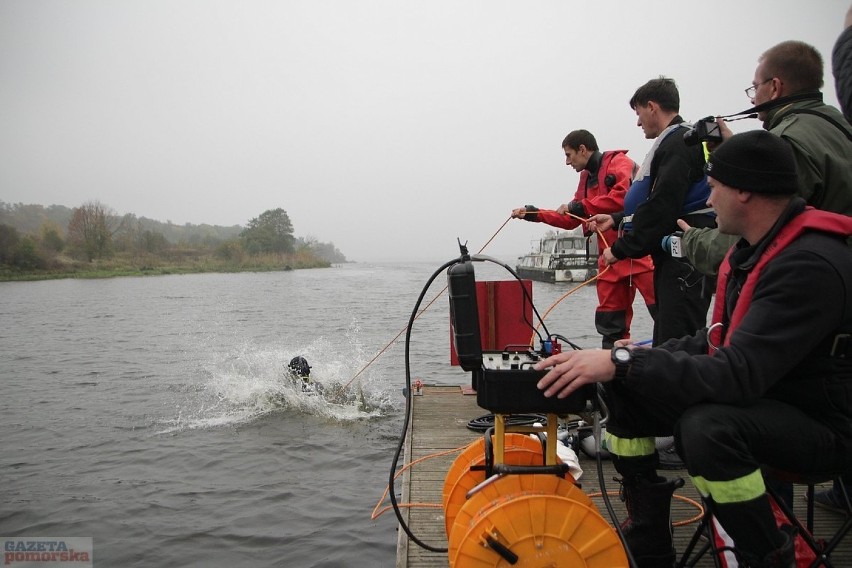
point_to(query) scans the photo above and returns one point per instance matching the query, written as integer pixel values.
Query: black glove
(531, 214)
(576, 208)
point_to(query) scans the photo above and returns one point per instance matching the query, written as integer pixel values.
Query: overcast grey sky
(388, 127)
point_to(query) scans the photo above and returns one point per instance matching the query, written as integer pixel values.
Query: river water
(152, 415)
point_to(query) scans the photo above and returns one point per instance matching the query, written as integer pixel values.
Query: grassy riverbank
(188, 262)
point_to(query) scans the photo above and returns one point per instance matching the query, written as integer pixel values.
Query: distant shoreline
(88, 272)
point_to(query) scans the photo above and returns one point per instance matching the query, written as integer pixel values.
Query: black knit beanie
(756, 161)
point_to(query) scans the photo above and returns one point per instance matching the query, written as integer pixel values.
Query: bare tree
(89, 233)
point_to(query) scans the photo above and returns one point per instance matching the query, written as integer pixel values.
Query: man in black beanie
(778, 353)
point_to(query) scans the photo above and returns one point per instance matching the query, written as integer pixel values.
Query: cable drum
(467, 471)
(527, 521)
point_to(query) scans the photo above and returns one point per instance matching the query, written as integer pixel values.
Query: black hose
(483, 423)
(407, 419)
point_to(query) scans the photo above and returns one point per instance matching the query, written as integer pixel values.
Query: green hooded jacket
(823, 151)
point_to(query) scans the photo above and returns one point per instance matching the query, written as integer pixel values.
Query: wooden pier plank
(439, 423)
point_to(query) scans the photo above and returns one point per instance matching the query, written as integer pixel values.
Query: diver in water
(299, 368)
(300, 371)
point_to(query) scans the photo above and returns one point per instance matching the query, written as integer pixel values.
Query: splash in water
(254, 381)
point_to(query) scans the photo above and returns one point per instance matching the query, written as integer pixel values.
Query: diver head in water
(299, 368)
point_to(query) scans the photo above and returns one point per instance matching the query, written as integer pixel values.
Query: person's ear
(777, 86)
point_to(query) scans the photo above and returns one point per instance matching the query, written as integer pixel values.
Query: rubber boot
(782, 557)
(648, 528)
(757, 539)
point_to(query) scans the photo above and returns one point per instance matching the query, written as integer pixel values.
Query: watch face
(623, 355)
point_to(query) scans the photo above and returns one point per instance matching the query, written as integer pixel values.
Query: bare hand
(563, 209)
(684, 226)
(519, 213)
(608, 257)
(601, 222)
(573, 369)
(724, 129)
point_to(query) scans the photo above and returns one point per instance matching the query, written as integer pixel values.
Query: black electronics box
(508, 385)
(505, 381)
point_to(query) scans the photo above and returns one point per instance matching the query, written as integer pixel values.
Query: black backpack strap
(838, 125)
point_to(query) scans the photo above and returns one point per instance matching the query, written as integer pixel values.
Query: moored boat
(564, 256)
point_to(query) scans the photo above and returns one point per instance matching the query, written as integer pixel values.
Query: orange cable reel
(521, 449)
(531, 531)
(503, 490)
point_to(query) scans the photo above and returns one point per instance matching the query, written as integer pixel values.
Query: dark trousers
(722, 442)
(683, 297)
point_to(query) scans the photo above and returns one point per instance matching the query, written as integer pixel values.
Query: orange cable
(420, 313)
(376, 515)
(683, 498)
(572, 290)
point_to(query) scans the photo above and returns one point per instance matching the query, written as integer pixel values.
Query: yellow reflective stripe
(745, 488)
(706, 151)
(629, 447)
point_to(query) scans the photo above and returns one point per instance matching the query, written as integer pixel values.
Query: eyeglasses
(750, 92)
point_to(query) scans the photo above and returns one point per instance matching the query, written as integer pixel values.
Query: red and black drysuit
(601, 189)
(773, 383)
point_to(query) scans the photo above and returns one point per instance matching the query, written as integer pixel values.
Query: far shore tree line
(93, 238)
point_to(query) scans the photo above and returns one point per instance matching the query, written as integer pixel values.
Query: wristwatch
(622, 357)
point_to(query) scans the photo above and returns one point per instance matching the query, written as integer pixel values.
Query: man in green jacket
(786, 93)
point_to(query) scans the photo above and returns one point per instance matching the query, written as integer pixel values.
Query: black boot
(648, 528)
(757, 539)
(782, 557)
(612, 326)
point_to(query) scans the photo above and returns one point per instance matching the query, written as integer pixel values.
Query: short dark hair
(662, 91)
(577, 138)
(796, 63)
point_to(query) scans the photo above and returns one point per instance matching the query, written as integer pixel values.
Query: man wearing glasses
(819, 134)
(786, 94)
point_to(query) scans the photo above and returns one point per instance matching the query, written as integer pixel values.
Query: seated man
(769, 383)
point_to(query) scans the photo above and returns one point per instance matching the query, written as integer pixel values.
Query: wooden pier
(439, 423)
